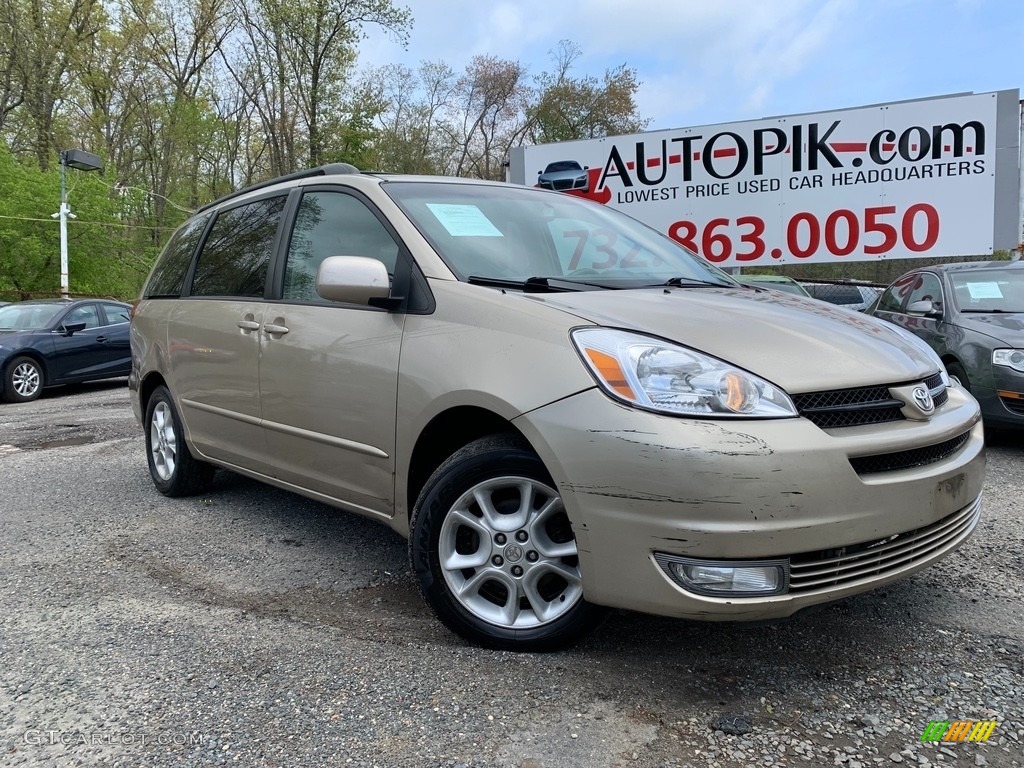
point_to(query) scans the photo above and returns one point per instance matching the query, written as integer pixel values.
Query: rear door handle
(101, 339)
(275, 329)
(248, 325)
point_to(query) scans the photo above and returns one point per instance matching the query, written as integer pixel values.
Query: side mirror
(924, 307)
(352, 280)
(70, 329)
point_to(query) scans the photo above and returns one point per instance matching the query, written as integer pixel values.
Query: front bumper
(1002, 404)
(638, 484)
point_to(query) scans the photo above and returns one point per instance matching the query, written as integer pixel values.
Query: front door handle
(274, 328)
(101, 339)
(248, 325)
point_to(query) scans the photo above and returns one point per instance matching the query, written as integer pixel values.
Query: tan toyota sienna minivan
(562, 409)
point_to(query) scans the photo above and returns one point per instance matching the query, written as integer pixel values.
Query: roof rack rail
(324, 170)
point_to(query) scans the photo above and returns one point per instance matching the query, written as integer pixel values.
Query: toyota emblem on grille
(923, 399)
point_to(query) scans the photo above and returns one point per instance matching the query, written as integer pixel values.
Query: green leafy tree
(570, 108)
(103, 258)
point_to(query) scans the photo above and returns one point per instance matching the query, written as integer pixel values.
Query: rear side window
(116, 314)
(236, 253)
(169, 273)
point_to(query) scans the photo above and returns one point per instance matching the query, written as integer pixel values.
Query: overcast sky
(712, 61)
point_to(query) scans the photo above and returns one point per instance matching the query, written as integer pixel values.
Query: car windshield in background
(510, 234)
(27, 317)
(563, 165)
(990, 290)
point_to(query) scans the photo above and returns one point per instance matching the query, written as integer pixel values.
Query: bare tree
(294, 60)
(12, 78)
(491, 98)
(48, 35)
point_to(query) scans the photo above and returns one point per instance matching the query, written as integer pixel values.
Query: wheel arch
(36, 357)
(147, 386)
(443, 435)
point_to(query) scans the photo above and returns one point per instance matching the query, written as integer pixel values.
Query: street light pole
(65, 209)
(83, 161)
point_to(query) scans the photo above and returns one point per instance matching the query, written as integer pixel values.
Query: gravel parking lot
(252, 627)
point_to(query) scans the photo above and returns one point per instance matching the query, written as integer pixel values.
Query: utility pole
(83, 161)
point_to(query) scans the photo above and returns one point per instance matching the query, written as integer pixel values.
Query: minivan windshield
(507, 233)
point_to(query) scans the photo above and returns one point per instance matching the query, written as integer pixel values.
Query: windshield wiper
(495, 282)
(540, 284)
(689, 282)
(990, 311)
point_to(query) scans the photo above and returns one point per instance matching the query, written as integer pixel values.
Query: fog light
(720, 578)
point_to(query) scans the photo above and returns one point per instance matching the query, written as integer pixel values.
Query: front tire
(955, 369)
(174, 470)
(495, 553)
(24, 380)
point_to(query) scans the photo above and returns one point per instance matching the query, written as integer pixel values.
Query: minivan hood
(802, 345)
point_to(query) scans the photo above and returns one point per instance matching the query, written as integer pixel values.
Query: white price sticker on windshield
(464, 220)
(984, 290)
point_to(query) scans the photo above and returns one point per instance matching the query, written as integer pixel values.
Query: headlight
(1011, 358)
(665, 377)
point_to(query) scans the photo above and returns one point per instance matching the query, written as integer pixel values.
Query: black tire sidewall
(161, 395)
(190, 475)
(955, 369)
(10, 394)
(478, 462)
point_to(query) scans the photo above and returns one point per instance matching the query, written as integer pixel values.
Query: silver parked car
(563, 176)
(855, 296)
(562, 409)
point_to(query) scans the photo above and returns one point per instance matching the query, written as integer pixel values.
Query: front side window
(332, 224)
(88, 314)
(891, 300)
(926, 288)
(237, 251)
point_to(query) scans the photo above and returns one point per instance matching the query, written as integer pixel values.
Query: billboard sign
(925, 178)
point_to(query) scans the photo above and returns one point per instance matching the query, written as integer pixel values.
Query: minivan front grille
(822, 571)
(915, 457)
(849, 407)
(861, 405)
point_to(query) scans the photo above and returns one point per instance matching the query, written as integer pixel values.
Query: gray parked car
(561, 408)
(972, 315)
(563, 175)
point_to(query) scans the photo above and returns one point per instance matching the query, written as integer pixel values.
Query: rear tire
(24, 380)
(495, 553)
(174, 470)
